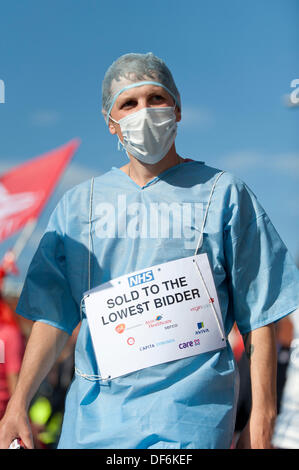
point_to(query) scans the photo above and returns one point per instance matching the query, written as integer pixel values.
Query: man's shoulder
(209, 173)
(83, 189)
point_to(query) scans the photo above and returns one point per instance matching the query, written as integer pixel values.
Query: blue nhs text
(140, 278)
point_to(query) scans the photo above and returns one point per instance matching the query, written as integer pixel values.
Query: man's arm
(260, 348)
(43, 348)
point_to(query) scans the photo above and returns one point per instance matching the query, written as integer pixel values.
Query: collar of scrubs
(158, 177)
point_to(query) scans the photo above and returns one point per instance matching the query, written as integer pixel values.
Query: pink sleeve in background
(13, 348)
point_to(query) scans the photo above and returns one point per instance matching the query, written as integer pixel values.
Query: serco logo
(141, 278)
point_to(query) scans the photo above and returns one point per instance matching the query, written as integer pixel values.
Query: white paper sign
(159, 314)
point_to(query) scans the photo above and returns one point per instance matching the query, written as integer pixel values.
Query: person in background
(284, 336)
(286, 431)
(12, 349)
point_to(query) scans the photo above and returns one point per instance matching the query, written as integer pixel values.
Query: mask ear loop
(120, 145)
(199, 245)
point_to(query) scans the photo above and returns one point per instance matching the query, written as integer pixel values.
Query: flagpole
(24, 237)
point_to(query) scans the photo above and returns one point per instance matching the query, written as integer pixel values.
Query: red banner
(25, 189)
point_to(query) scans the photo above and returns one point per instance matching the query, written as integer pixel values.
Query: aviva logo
(140, 278)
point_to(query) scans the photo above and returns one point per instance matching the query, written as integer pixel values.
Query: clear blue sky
(233, 62)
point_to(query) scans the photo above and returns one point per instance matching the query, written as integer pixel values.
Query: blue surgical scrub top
(187, 403)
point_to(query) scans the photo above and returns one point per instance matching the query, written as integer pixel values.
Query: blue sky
(233, 62)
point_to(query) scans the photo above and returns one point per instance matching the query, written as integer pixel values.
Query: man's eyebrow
(132, 96)
(123, 99)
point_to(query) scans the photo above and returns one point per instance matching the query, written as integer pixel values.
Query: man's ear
(178, 111)
(178, 114)
(111, 127)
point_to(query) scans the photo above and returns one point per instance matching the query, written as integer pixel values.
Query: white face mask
(149, 133)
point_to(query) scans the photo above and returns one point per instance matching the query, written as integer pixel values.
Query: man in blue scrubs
(156, 208)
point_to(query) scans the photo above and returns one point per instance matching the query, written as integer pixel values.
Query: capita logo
(131, 341)
(201, 328)
(146, 347)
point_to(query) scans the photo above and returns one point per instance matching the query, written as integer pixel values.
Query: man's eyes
(157, 98)
(129, 104)
(132, 103)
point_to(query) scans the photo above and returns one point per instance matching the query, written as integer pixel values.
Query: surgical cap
(131, 70)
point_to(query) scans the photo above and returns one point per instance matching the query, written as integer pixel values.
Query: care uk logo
(189, 344)
(141, 278)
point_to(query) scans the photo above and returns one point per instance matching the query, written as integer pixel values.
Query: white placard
(155, 315)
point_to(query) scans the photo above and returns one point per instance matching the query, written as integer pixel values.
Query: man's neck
(142, 173)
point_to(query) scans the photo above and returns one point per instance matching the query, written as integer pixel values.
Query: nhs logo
(140, 278)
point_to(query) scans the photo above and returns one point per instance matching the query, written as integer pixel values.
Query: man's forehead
(140, 90)
(134, 88)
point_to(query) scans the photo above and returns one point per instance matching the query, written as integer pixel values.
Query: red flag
(25, 190)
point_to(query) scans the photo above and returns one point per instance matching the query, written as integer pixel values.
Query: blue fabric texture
(189, 403)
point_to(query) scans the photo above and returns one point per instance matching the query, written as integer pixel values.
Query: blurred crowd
(286, 431)
(47, 407)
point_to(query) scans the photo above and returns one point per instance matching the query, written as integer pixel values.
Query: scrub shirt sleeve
(262, 276)
(46, 295)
